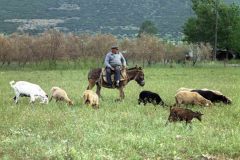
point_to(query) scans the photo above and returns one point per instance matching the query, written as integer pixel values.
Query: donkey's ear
(136, 66)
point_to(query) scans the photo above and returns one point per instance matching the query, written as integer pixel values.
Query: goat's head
(226, 100)
(208, 103)
(198, 115)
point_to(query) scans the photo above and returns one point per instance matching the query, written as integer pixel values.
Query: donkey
(135, 73)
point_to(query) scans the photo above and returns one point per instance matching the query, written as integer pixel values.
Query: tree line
(53, 46)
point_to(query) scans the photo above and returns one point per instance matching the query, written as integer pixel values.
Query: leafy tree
(202, 27)
(147, 27)
(235, 39)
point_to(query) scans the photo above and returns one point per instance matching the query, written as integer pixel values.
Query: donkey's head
(139, 76)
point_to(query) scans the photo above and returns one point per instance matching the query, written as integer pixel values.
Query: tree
(214, 23)
(147, 27)
(235, 39)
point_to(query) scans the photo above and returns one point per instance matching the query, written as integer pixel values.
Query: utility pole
(216, 3)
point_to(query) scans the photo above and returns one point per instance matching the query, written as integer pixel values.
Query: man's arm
(123, 60)
(106, 61)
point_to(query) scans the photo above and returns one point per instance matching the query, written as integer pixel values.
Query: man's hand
(112, 68)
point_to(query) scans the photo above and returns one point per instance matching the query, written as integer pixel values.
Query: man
(114, 61)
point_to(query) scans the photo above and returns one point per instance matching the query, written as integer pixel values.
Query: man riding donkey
(114, 62)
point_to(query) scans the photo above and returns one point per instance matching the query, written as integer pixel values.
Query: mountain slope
(105, 16)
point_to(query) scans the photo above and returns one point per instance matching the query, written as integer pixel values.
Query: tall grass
(122, 130)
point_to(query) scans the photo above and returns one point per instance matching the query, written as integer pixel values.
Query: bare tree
(5, 50)
(52, 46)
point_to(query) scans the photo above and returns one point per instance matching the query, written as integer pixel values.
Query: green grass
(122, 130)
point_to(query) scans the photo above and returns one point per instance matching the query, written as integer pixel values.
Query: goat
(204, 89)
(150, 97)
(27, 89)
(183, 114)
(213, 96)
(91, 98)
(60, 95)
(187, 97)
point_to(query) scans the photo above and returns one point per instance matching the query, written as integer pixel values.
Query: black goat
(212, 96)
(150, 97)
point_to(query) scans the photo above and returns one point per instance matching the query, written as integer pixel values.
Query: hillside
(106, 16)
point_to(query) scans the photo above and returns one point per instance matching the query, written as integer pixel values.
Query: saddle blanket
(123, 75)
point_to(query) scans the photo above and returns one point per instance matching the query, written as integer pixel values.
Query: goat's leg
(17, 97)
(170, 119)
(91, 103)
(95, 105)
(42, 100)
(86, 101)
(166, 123)
(154, 102)
(178, 102)
(32, 98)
(190, 124)
(139, 101)
(197, 103)
(50, 98)
(144, 102)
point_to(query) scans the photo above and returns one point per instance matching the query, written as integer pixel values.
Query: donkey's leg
(122, 95)
(98, 90)
(91, 84)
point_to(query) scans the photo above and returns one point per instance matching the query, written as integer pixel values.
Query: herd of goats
(202, 97)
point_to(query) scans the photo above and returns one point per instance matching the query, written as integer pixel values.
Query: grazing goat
(91, 98)
(204, 89)
(27, 89)
(187, 97)
(182, 114)
(215, 91)
(149, 97)
(183, 89)
(60, 95)
(213, 96)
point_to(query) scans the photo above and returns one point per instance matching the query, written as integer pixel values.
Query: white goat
(27, 89)
(60, 95)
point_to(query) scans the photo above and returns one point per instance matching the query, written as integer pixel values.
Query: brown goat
(60, 95)
(183, 114)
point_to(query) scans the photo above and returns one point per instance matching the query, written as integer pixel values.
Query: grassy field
(119, 130)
